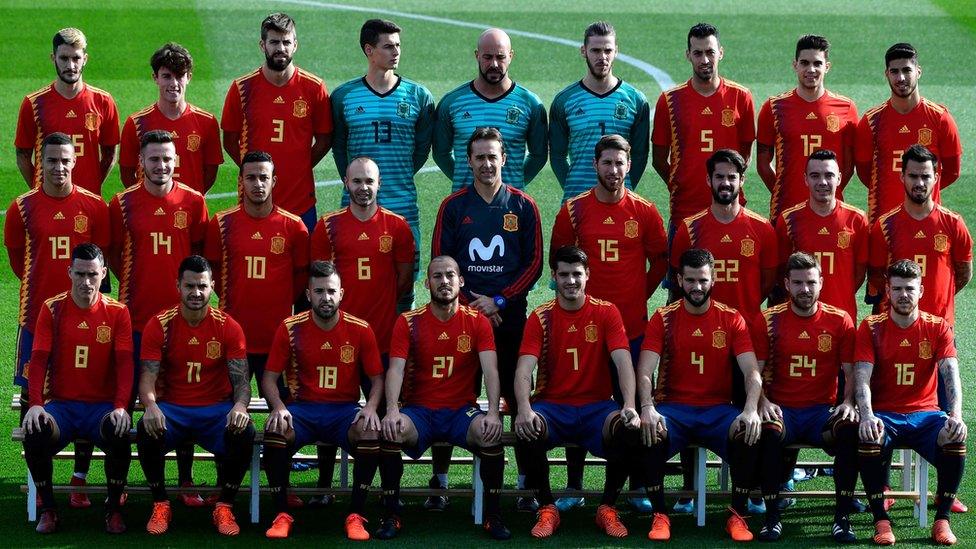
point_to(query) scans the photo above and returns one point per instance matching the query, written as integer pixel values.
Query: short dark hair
(702, 30)
(812, 42)
(612, 141)
(321, 269)
(901, 50)
(918, 153)
(568, 254)
(278, 22)
(728, 156)
(373, 28)
(56, 138)
(195, 264)
(821, 154)
(696, 258)
(801, 261)
(154, 136)
(904, 268)
(599, 28)
(70, 36)
(256, 156)
(174, 57)
(486, 134)
(87, 251)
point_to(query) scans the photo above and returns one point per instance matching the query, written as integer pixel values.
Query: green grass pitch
(438, 41)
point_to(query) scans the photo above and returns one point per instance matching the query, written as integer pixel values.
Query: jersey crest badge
(81, 223)
(91, 121)
(590, 333)
(941, 243)
(630, 228)
(824, 343)
(747, 247)
(512, 115)
(213, 350)
(403, 109)
(180, 220)
(464, 343)
(346, 353)
(103, 334)
(925, 137)
(386, 244)
(844, 239)
(924, 350)
(728, 118)
(620, 111)
(718, 339)
(299, 108)
(833, 123)
(510, 222)
(277, 244)
(193, 142)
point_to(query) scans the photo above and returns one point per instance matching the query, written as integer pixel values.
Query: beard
(696, 301)
(277, 65)
(493, 75)
(437, 298)
(327, 314)
(716, 195)
(595, 72)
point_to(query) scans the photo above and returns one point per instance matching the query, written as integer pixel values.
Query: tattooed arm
(240, 381)
(871, 427)
(152, 419)
(949, 370)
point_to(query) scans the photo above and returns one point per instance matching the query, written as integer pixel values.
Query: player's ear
(826, 67)
(583, 50)
(460, 281)
(721, 52)
(308, 295)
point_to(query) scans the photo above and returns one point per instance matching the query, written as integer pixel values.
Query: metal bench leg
(256, 484)
(344, 470)
(479, 491)
(906, 472)
(700, 475)
(31, 498)
(922, 508)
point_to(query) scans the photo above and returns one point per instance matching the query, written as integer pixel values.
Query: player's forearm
(876, 277)
(376, 389)
(860, 270)
(393, 382)
(442, 153)
(558, 152)
(108, 155)
(240, 380)
(269, 388)
(951, 168)
(862, 388)
(764, 165)
(147, 382)
(404, 272)
(534, 162)
(128, 175)
(523, 380)
(963, 273)
(847, 167)
(232, 146)
(25, 163)
(863, 172)
(625, 375)
(209, 176)
(320, 147)
(646, 366)
(753, 380)
(660, 162)
(15, 256)
(949, 370)
(492, 384)
(849, 386)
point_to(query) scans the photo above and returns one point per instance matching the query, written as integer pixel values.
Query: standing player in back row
(492, 100)
(284, 111)
(796, 123)
(600, 104)
(389, 119)
(697, 118)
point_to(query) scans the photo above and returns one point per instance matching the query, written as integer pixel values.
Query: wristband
(500, 301)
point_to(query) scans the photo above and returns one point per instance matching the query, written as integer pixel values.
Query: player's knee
(956, 449)
(841, 432)
(39, 438)
(239, 439)
(868, 450)
(111, 438)
(771, 430)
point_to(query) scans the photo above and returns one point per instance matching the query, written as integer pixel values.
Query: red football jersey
(151, 237)
(442, 357)
(82, 344)
(839, 241)
(260, 267)
(698, 353)
(40, 231)
(803, 355)
(90, 118)
(193, 369)
(883, 135)
(366, 254)
(794, 128)
(620, 239)
(573, 348)
(905, 360)
(195, 134)
(936, 243)
(742, 249)
(282, 122)
(324, 366)
(693, 127)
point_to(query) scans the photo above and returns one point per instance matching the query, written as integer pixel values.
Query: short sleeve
(848, 336)
(234, 340)
(532, 337)
(26, 136)
(769, 250)
(369, 353)
(616, 335)
(862, 232)
(766, 132)
(108, 135)
(863, 141)
(213, 154)
(44, 331)
(101, 234)
(320, 244)
(129, 145)
(946, 345)
(232, 118)
(151, 346)
(654, 334)
(563, 233)
(877, 247)
(400, 339)
(962, 246)
(760, 337)
(661, 134)
(740, 337)
(486, 336)
(864, 343)
(405, 247)
(14, 233)
(322, 117)
(280, 352)
(681, 242)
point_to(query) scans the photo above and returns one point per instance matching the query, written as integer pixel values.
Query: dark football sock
(363, 471)
(441, 458)
(575, 461)
(277, 467)
(38, 453)
(743, 459)
(234, 463)
(118, 456)
(327, 458)
(391, 472)
(184, 463)
(537, 470)
(653, 460)
(873, 476)
(492, 472)
(845, 466)
(952, 463)
(83, 456)
(151, 452)
(688, 469)
(771, 456)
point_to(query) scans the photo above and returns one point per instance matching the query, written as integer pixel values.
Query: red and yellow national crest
(347, 353)
(103, 334)
(81, 223)
(924, 350)
(631, 228)
(590, 334)
(464, 343)
(180, 219)
(91, 121)
(299, 109)
(925, 136)
(193, 142)
(213, 350)
(833, 123)
(510, 222)
(277, 244)
(728, 118)
(824, 343)
(386, 244)
(844, 239)
(747, 247)
(941, 242)
(718, 339)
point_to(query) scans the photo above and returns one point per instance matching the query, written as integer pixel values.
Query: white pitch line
(323, 183)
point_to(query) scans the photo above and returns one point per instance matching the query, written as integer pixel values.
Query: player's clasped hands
(653, 428)
(34, 418)
(370, 419)
(238, 418)
(154, 421)
(528, 425)
(279, 421)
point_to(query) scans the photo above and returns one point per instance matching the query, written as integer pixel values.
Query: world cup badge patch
(620, 111)
(403, 109)
(630, 228)
(299, 108)
(941, 243)
(844, 239)
(464, 343)
(747, 247)
(193, 142)
(213, 350)
(718, 339)
(81, 223)
(277, 244)
(180, 220)
(924, 350)
(103, 334)
(833, 123)
(728, 118)
(925, 137)
(512, 115)
(590, 333)
(386, 244)
(510, 222)
(91, 121)
(347, 353)
(824, 343)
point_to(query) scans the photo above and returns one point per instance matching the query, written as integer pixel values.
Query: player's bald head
(442, 262)
(361, 166)
(493, 39)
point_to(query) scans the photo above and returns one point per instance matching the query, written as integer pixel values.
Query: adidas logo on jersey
(706, 110)
(467, 220)
(278, 100)
(174, 135)
(579, 111)
(608, 221)
(726, 238)
(443, 337)
(71, 114)
(904, 129)
(466, 115)
(905, 343)
(363, 236)
(572, 329)
(83, 325)
(697, 333)
(919, 234)
(823, 230)
(327, 346)
(193, 341)
(58, 216)
(159, 211)
(256, 235)
(811, 116)
(804, 335)
(360, 110)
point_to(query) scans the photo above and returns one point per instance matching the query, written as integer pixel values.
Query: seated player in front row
(899, 355)
(195, 386)
(435, 354)
(322, 353)
(80, 381)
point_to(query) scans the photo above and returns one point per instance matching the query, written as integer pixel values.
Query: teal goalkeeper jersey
(518, 114)
(394, 129)
(579, 118)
